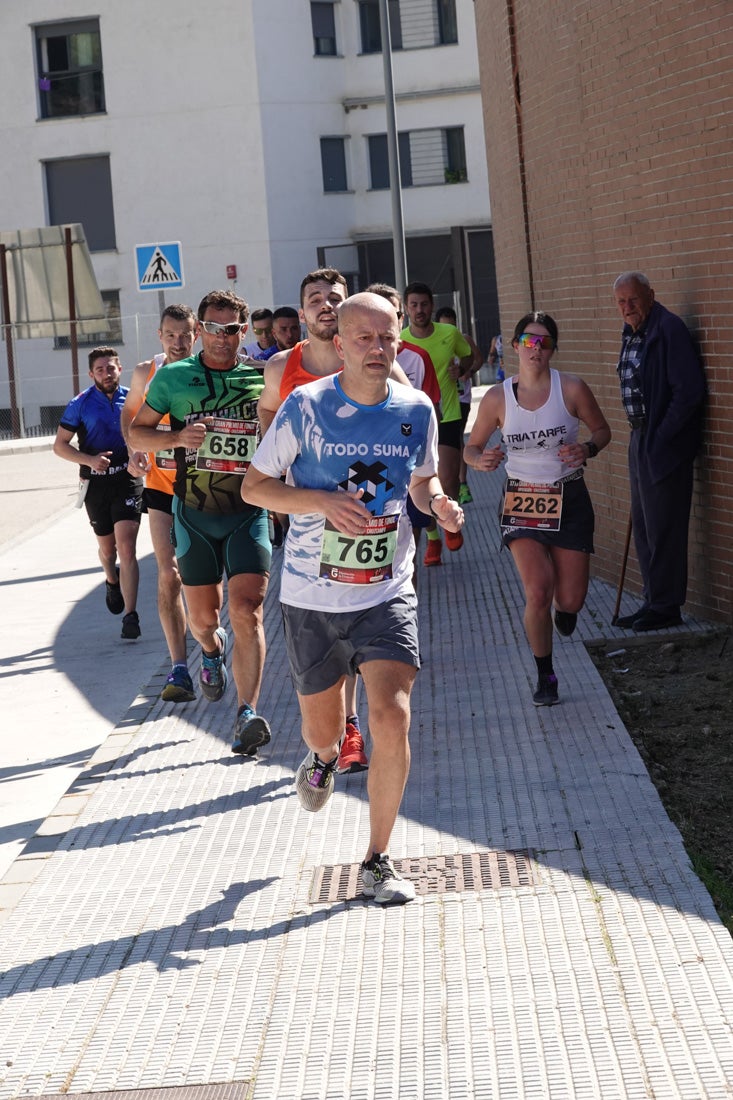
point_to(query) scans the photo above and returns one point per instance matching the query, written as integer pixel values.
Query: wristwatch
(437, 496)
(592, 448)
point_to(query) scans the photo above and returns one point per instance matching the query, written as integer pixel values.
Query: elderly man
(354, 443)
(662, 390)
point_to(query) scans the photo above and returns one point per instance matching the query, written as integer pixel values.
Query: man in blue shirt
(112, 496)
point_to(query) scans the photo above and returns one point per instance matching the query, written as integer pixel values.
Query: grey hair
(631, 277)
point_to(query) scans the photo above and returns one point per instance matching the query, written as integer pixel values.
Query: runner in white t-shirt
(353, 444)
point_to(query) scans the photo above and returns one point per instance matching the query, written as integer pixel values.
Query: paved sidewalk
(179, 922)
(66, 679)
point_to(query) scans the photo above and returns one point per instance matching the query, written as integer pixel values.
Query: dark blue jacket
(673, 387)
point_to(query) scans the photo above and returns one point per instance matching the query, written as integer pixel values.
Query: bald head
(358, 305)
(367, 340)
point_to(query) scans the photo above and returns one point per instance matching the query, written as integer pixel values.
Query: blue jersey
(327, 441)
(96, 422)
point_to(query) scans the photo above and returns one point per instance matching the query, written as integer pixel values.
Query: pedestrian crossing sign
(159, 266)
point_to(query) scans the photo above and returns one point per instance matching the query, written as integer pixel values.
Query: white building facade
(254, 134)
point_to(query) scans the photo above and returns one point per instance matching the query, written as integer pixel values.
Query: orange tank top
(295, 373)
(156, 477)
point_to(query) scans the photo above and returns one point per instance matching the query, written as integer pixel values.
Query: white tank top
(157, 362)
(532, 438)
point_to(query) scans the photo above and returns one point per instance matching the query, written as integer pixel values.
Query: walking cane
(621, 579)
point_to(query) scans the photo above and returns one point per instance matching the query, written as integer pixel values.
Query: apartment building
(254, 136)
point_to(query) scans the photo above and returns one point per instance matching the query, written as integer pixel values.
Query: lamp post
(393, 156)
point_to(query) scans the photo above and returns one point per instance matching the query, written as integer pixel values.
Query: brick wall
(617, 153)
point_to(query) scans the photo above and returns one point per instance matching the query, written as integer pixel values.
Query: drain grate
(232, 1090)
(454, 874)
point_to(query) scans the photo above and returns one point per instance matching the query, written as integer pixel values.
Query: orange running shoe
(453, 540)
(433, 552)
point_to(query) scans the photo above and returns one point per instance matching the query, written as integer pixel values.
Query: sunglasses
(534, 340)
(261, 331)
(215, 329)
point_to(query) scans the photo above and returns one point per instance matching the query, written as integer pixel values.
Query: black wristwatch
(436, 496)
(592, 448)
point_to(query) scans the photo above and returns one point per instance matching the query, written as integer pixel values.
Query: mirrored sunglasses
(534, 340)
(214, 328)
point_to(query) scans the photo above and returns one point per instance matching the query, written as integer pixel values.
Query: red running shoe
(453, 540)
(352, 757)
(433, 552)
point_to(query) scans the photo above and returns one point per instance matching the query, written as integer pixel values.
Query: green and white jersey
(210, 479)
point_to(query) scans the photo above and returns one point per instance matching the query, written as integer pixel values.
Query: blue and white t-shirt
(327, 441)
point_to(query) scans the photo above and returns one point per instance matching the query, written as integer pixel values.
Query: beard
(106, 387)
(321, 332)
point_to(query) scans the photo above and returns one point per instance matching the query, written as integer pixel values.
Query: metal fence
(39, 376)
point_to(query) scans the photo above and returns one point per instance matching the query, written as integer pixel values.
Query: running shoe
(250, 732)
(178, 687)
(381, 881)
(314, 782)
(565, 622)
(113, 596)
(433, 552)
(352, 757)
(130, 626)
(454, 540)
(464, 494)
(213, 674)
(546, 693)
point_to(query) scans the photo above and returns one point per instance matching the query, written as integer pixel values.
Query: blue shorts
(418, 519)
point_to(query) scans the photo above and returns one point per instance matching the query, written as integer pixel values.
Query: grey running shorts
(323, 646)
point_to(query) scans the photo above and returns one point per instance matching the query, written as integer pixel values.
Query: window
(447, 23)
(80, 190)
(333, 163)
(379, 161)
(324, 29)
(426, 23)
(427, 157)
(371, 31)
(455, 155)
(110, 335)
(69, 62)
